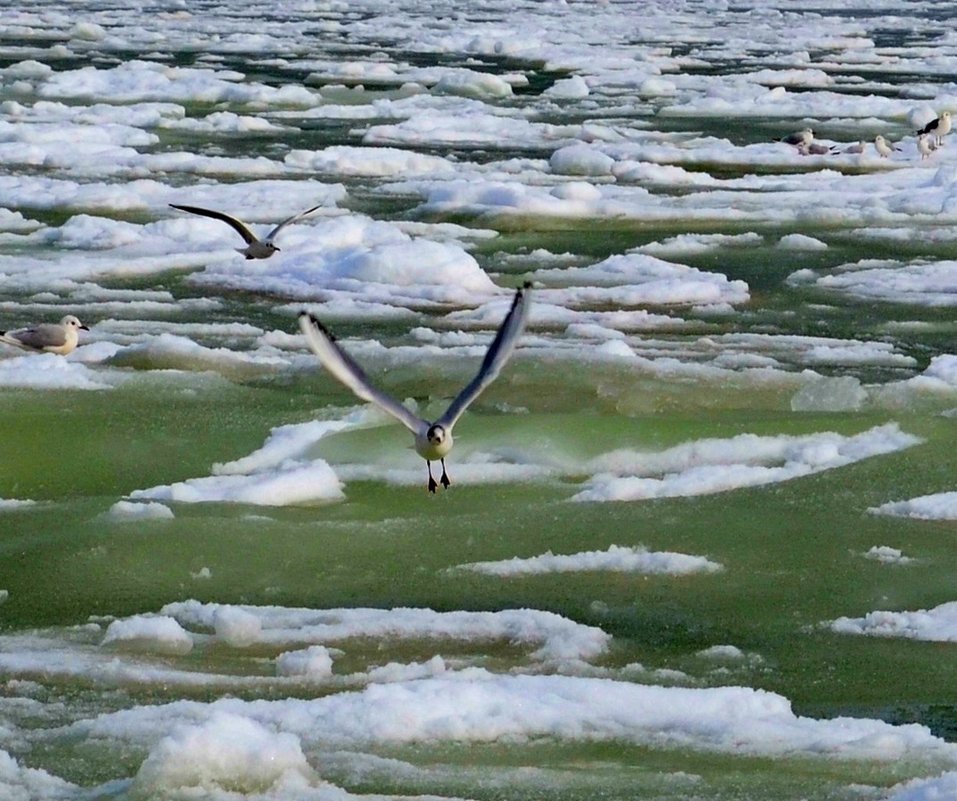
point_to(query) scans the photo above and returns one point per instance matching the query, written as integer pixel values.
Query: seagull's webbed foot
(432, 484)
(445, 476)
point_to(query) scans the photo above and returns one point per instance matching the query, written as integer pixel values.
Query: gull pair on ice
(433, 440)
(256, 248)
(60, 338)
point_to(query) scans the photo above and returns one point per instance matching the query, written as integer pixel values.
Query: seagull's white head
(946, 115)
(435, 435)
(70, 321)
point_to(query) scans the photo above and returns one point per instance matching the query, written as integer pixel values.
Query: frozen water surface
(724, 444)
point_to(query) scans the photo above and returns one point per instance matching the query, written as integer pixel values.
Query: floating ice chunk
(152, 633)
(657, 87)
(938, 788)
(936, 625)
(467, 83)
(555, 637)
(887, 555)
(19, 783)
(573, 88)
(48, 371)
(12, 504)
(694, 244)
(237, 627)
(939, 506)
(615, 559)
(747, 460)
(286, 485)
(170, 351)
(830, 394)
(126, 511)
(314, 662)
(344, 160)
(800, 242)
(87, 31)
(226, 753)
(723, 653)
(580, 160)
(478, 706)
(291, 441)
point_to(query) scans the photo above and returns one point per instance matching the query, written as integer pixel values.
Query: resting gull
(60, 338)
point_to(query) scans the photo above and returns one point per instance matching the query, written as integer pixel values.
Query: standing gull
(432, 440)
(256, 248)
(925, 146)
(939, 128)
(60, 338)
(883, 147)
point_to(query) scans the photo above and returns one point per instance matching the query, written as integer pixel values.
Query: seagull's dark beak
(277, 249)
(84, 328)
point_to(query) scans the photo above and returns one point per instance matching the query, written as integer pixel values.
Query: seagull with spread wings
(433, 440)
(256, 248)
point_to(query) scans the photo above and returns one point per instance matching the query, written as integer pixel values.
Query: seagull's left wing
(341, 365)
(284, 223)
(45, 335)
(495, 358)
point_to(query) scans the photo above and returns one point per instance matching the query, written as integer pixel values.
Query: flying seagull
(60, 338)
(433, 440)
(939, 128)
(255, 248)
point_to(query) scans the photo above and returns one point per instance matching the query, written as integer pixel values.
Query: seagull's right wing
(495, 358)
(244, 232)
(341, 365)
(284, 223)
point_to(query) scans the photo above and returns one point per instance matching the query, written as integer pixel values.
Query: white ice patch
(19, 783)
(935, 625)
(887, 555)
(639, 279)
(174, 352)
(277, 474)
(314, 662)
(931, 284)
(48, 371)
(477, 706)
(372, 261)
(16, 504)
(615, 559)
(126, 511)
(939, 788)
(747, 460)
(939, 506)
(799, 242)
(156, 633)
(553, 637)
(226, 752)
(299, 483)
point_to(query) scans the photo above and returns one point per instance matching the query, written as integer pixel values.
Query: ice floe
(936, 625)
(615, 559)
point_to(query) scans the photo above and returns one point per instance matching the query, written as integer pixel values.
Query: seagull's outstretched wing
(284, 223)
(341, 365)
(244, 232)
(495, 358)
